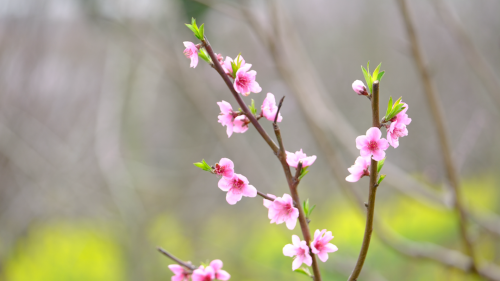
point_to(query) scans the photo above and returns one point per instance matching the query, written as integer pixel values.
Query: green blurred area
(91, 250)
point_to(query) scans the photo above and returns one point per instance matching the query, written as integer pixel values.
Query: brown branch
(371, 196)
(439, 121)
(279, 151)
(172, 257)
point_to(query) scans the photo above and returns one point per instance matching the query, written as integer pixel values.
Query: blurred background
(101, 119)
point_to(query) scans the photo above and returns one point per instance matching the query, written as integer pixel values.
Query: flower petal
(289, 250)
(216, 264)
(373, 133)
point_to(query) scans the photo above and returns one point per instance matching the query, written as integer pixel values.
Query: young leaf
(389, 108)
(375, 72)
(382, 177)
(304, 172)
(202, 31)
(204, 55)
(380, 164)
(311, 210)
(380, 75)
(367, 78)
(203, 165)
(304, 271)
(398, 101)
(192, 28)
(252, 108)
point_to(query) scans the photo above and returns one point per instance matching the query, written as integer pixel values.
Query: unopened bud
(359, 87)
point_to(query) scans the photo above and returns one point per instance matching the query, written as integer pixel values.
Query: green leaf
(380, 164)
(311, 210)
(304, 271)
(367, 78)
(202, 31)
(193, 21)
(203, 165)
(380, 75)
(389, 107)
(204, 55)
(305, 206)
(382, 177)
(252, 108)
(375, 72)
(303, 173)
(192, 29)
(368, 67)
(398, 101)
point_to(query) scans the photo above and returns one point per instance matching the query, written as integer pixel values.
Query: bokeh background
(101, 119)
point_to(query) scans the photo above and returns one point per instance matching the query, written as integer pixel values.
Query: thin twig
(264, 196)
(371, 196)
(439, 121)
(172, 257)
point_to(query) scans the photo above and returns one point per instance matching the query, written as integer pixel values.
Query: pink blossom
(244, 82)
(225, 168)
(359, 169)
(240, 124)
(372, 144)
(293, 159)
(269, 108)
(226, 116)
(228, 68)
(236, 187)
(320, 245)
(395, 131)
(359, 87)
(219, 273)
(204, 274)
(282, 210)
(191, 52)
(181, 274)
(300, 250)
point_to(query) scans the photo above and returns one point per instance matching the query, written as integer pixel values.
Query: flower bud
(359, 87)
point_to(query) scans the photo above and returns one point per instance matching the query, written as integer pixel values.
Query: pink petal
(297, 262)
(178, 278)
(289, 250)
(323, 256)
(295, 240)
(308, 258)
(249, 191)
(353, 178)
(373, 133)
(225, 107)
(330, 248)
(232, 198)
(177, 269)
(194, 61)
(188, 44)
(383, 144)
(291, 222)
(225, 184)
(308, 161)
(216, 264)
(316, 234)
(365, 152)
(378, 154)
(222, 275)
(361, 142)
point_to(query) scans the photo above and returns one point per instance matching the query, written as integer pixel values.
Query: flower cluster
(236, 185)
(319, 246)
(280, 209)
(371, 145)
(208, 273)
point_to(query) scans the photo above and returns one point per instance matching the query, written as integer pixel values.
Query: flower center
(219, 170)
(238, 185)
(243, 81)
(372, 145)
(207, 278)
(300, 252)
(188, 53)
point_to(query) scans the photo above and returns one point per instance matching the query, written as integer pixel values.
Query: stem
(172, 257)
(264, 196)
(438, 118)
(371, 196)
(278, 151)
(237, 96)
